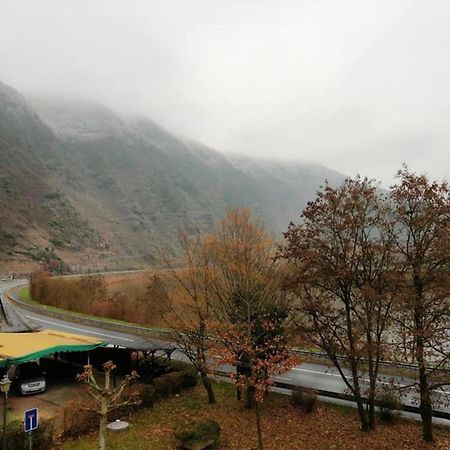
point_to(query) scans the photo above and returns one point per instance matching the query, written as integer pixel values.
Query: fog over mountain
(94, 188)
(359, 85)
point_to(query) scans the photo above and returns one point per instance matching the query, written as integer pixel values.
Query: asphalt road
(317, 376)
(112, 337)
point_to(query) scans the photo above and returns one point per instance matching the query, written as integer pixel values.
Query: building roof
(21, 347)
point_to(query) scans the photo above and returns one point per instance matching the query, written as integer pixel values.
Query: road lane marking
(316, 371)
(79, 329)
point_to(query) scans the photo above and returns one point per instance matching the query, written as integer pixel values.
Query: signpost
(31, 423)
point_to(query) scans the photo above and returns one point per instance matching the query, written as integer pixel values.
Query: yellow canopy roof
(21, 347)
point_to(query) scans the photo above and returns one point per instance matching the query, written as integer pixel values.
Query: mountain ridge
(84, 184)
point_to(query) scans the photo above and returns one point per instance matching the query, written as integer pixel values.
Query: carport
(18, 348)
(21, 340)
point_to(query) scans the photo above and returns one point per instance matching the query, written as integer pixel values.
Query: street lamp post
(5, 384)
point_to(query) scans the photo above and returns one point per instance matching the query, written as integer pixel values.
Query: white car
(28, 378)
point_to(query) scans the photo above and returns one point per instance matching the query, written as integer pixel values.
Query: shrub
(180, 366)
(189, 380)
(389, 403)
(168, 384)
(198, 435)
(16, 439)
(147, 394)
(306, 398)
(177, 376)
(188, 371)
(77, 421)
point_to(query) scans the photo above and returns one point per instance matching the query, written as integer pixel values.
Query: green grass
(152, 428)
(343, 410)
(25, 295)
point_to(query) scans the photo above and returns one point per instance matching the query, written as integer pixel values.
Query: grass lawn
(285, 428)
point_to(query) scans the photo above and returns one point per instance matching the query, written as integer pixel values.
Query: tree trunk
(258, 426)
(373, 373)
(358, 399)
(362, 415)
(371, 407)
(102, 432)
(250, 397)
(426, 408)
(354, 369)
(372, 388)
(208, 386)
(426, 411)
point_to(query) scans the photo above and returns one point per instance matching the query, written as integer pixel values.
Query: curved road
(317, 376)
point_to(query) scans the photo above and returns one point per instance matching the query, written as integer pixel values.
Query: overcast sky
(360, 86)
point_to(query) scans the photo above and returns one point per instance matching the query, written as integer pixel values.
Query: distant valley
(81, 185)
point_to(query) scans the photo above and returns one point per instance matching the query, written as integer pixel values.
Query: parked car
(28, 378)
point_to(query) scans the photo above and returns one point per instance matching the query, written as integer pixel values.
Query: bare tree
(106, 397)
(186, 302)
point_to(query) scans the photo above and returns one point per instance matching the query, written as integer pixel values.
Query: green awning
(21, 347)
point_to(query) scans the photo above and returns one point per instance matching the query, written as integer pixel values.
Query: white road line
(79, 329)
(317, 372)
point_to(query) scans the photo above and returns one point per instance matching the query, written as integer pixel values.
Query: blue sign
(31, 420)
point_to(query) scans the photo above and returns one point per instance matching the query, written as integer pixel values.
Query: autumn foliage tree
(259, 347)
(251, 313)
(421, 230)
(94, 290)
(86, 294)
(340, 269)
(39, 280)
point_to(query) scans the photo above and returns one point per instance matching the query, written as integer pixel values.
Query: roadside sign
(31, 420)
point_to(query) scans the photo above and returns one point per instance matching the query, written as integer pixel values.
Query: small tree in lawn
(187, 306)
(259, 346)
(106, 397)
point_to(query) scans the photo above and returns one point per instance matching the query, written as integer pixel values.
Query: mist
(359, 86)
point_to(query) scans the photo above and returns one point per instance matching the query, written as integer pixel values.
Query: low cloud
(360, 86)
